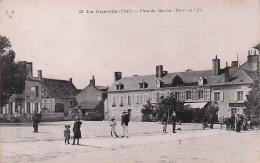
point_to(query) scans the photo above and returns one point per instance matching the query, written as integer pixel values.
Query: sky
(64, 43)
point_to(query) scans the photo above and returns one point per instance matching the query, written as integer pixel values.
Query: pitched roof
(237, 76)
(60, 88)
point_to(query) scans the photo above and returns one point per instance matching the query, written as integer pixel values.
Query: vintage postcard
(129, 81)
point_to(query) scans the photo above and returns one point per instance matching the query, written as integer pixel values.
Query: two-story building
(226, 88)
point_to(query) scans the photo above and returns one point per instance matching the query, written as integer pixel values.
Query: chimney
(40, 74)
(159, 71)
(70, 79)
(226, 70)
(29, 69)
(117, 76)
(252, 61)
(234, 64)
(92, 82)
(216, 66)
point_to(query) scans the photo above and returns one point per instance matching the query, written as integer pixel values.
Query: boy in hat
(124, 122)
(113, 127)
(67, 134)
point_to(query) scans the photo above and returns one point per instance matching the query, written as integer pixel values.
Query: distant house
(91, 101)
(58, 96)
(54, 98)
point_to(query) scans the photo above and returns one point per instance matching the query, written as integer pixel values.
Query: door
(129, 113)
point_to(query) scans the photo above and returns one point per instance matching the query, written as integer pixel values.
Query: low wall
(52, 117)
(93, 117)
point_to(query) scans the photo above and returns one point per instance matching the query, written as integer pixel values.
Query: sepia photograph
(129, 81)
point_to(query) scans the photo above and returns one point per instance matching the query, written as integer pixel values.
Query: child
(113, 127)
(67, 134)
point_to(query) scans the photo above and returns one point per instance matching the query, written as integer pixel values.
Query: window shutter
(235, 96)
(196, 94)
(208, 94)
(222, 96)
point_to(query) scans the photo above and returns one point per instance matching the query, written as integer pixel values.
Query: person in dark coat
(233, 121)
(36, 120)
(174, 120)
(164, 123)
(76, 130)
(228, 124)
(239, 123)
(124, 123)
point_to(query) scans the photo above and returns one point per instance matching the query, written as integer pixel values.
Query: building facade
(48, 96)
(91, 101)
(226, 88)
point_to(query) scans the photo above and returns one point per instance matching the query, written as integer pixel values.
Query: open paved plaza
(146, 143)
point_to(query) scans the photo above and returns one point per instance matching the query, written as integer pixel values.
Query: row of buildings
(55, 99)
(225, 87)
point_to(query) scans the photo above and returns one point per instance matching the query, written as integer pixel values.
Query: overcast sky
(64, 43)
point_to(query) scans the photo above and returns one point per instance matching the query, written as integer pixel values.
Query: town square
(129, 81)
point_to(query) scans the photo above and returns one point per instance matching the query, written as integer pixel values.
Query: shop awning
(197, 104)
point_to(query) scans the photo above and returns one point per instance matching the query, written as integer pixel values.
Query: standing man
(36, 121)
(76, 130)
(174, 120)
(233, 120)
(124, 122)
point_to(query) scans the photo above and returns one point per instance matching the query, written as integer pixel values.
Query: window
(138, 113)
(177, 95)
(200, 94)
(145, 99)
(188, 95)
(143, 84)
(129, 98)
(216, 96)
(121, 100)
(113, 101)
(239, 95)
(120, 86)
(233, 111)
(37, 91)
(137, 99)
(36, 108)
(113, 113)
(28, 107)
(71, 102)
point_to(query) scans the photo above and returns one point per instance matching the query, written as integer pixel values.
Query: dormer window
(119, 86)
(143, 84)
(159, 83)
(202, 81)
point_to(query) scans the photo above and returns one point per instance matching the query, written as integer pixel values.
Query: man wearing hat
(173, 122)
(124, 122)
(76, 130)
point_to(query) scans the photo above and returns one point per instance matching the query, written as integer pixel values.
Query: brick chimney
(216, 66)
(252, 61)
(159, 71)
(29, 69)
(40, 74)
(92, 82)
(70, 79)
(117, 76)
(226, 71)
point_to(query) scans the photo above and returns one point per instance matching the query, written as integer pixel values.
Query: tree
(12, 74)
(168, 105)
(252, 103)
(147, 111)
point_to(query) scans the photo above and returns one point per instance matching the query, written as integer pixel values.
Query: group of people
(236, 123)
(77, 132)
(165, 121)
